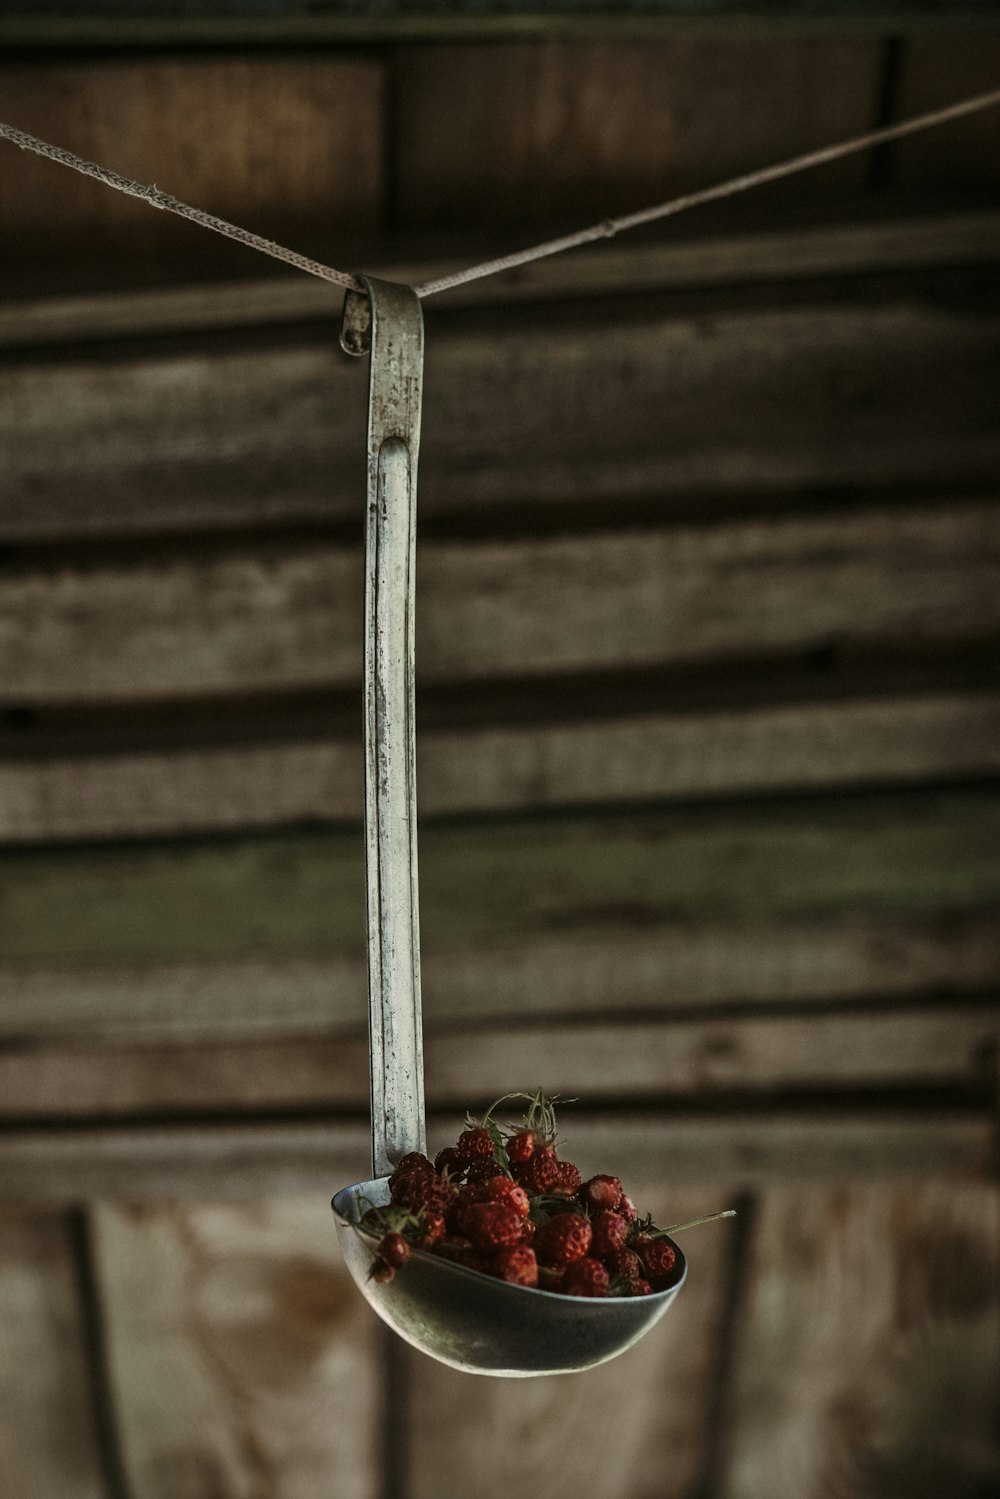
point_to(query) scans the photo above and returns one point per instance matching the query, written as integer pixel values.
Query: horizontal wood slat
(736, 258)
(501, 887)
(930, 1045)
(514, 768)
(642, 398)
(217, 1163)
(242, 1359)
(253, 619)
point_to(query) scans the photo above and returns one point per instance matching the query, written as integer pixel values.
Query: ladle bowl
(482, 1325)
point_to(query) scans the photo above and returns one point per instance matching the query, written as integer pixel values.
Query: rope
(157, 199)
(606, 229)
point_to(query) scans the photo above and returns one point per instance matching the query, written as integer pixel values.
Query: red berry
(480, 1169)
(642, 1288)
(610, 1232)
(563, 1239)
(494, 1225)
(381, 1272)
(466, 1199)
(476, 1144)
(503, 1189)
(627, 1209)
(421, 1190)
(602, 1192)
(539, 1172)
(568, 1180)
(413, 1158)
(450, 1159)
(453, 1247)
(432, 1227)
(550, 1277)
(658, 1258)
(628, 1268)
(520, 1147)
(394, 1250)
(516, 1264)
(587, 1277)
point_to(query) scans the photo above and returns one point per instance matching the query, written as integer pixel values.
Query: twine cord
(606, 229)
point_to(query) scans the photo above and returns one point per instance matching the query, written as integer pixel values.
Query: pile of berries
(502, 1202)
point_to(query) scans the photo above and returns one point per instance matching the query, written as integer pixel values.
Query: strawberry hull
(483, 1325)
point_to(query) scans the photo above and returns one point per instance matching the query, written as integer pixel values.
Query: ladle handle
(389, 318)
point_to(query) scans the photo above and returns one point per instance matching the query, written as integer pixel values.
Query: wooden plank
(963, 155)
(628, 969)
(869, 1361)
(642, 399)
(641, 758)
(234, 1163)
(280, 22)
(738, 258)
(48, 1443)
(522, 133)
(504, 883)
(634, 1427)
(930, 1045)
(242, 1359)
(279, 144)
(252, 618)
(861, 895)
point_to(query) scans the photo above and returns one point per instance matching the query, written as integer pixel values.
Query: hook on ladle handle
(389, 321)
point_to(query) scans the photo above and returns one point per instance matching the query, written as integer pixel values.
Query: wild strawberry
(610, 1232)
(413, 1158)
(550, 1277)
(563, 1239)
(516, 1263)
(626, 1267)
(466, 1198)
(504, 1189)
(452, 1160)
(567, 1181)
(658, 1258)
(494, 1225)
(476, 1144)
(586, 1277)
(423, 1191)
(539, 1172)
(627, 1209)
(394, 1250)
(432, 1228)
(457, 1249)
(520, 1147)
(642, 1288)
(528, 1230)
(381, 1272)
(602, 1192)
(481, 1170)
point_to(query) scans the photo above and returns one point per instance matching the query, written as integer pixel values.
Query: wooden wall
(709, 600)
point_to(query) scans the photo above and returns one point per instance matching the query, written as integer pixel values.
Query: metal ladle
(456, 1315)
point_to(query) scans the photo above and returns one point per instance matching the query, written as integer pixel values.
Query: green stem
(676, 1228)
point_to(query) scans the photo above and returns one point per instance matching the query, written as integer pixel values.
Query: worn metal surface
(394, 332)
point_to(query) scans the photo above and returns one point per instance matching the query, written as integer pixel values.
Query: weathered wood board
(887, 384)
(242, 1359)
(253, 618)
(48, 1437)
(945, 1045)
(202, 1161)
(528, 132)
(652, 757)
(635, 1426)
(283, 146)
(868, 1361)
(659, 908)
